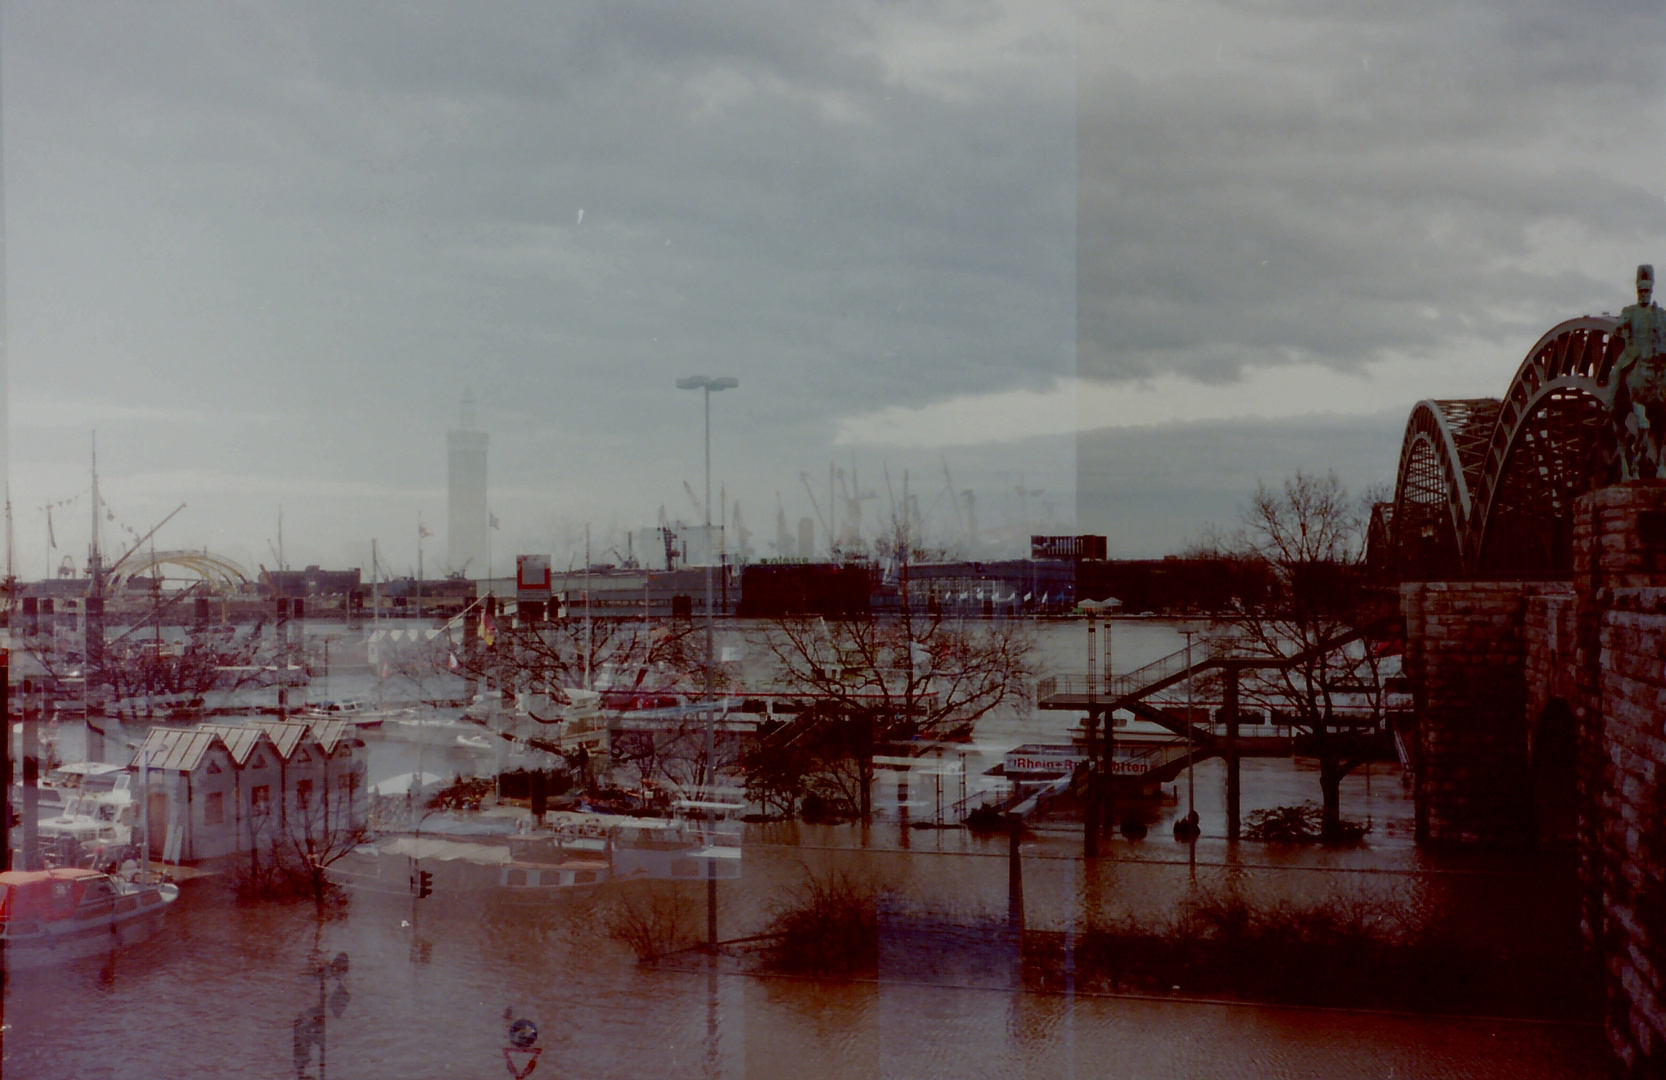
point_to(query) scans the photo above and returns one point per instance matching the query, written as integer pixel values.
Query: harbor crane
(826, 526)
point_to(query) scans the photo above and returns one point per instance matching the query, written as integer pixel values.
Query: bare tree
(139, 671)
(292, 844)
(641, 658)
(324, 825)
(895, 677)
(1318, 620)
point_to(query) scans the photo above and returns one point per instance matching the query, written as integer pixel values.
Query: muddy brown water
(218, 992)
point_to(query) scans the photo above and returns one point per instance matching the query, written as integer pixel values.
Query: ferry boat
(52, 916)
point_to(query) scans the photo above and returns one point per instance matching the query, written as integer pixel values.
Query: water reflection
(311, 1029)
(216, 993)
(253, 989)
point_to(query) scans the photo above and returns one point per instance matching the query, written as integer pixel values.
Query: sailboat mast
(95, 565)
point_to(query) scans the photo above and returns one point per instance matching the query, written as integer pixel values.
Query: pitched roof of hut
(182, 749)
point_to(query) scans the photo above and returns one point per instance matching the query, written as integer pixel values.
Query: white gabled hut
(223, 789)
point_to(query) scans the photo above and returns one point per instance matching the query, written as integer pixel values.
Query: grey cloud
(1151, 490)
(1369, 181)
(345, 212)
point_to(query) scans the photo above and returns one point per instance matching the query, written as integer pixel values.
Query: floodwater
(428, 987)
(218, 992)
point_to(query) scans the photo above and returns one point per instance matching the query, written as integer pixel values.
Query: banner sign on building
(1034, 759)
(1067, 547)
(532, 577)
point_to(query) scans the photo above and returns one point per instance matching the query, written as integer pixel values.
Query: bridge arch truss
(1486, 486)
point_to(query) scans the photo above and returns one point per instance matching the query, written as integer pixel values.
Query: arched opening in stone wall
(1555, 753)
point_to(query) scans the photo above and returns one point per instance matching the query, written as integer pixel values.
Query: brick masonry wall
(1488, 660)
(1467, 657)
(1620, 564)
(1550, 631)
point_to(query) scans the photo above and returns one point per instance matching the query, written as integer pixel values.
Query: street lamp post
(1187, 828)
(1099, 753)
(710, 386)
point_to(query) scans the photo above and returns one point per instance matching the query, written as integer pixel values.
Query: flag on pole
(491, 519)
(486, 633)
(422, 531)
(452, 664)
(51, 538)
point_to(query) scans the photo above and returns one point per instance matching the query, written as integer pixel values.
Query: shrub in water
(830, 927)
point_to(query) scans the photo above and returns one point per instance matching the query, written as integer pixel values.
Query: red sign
(532, 573)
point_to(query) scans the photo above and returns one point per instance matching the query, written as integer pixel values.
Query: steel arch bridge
(1486, 486)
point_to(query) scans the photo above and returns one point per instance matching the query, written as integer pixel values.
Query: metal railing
(1162, 672)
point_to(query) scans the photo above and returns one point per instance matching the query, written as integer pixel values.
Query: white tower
(466, 495)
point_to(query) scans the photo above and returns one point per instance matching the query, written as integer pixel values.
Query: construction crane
(954, 498)
(743, 536)
(786, 545)
(853, 498)
(699, 508)
(826, 527)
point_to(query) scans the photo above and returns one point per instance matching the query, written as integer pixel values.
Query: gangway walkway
(1132, 692)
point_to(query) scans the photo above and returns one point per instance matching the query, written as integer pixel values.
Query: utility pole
(1090, 826)
(708, 385)
(6, 770)
(589, 683)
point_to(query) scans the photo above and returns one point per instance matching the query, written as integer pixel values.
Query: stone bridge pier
(1541, 720)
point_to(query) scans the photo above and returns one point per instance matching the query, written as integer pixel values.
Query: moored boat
(51, 916)
(522, 866)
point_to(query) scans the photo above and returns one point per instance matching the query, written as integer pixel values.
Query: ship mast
(95, 565)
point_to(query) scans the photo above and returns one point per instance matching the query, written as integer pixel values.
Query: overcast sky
(263, 247)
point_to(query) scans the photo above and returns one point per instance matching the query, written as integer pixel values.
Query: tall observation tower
(466, 496)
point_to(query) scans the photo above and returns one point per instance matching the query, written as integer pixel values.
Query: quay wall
(1541, 719)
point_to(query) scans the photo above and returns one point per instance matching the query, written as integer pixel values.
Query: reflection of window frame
(214, 808)
(303, 794)
(260, 800)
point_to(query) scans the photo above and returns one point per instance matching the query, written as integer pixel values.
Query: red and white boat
(50, 916)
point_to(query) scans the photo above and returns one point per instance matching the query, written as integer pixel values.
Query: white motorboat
(51, 916)
(63, 785)
(356, 712)
(427, 730)
(94, 830)
(523, 867)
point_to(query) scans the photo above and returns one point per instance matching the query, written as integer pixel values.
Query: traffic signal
(425, 884)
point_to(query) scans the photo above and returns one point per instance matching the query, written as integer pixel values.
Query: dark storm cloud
(1344, 182)
(425, 165)
(345, 212)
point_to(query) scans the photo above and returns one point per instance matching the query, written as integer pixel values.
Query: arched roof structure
(219, 573)
(1486, 485)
